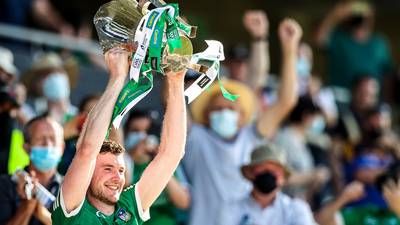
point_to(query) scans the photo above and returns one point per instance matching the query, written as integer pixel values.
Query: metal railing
(50, 39)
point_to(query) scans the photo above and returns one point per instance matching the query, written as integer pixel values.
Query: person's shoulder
(293, 203)
(197, 128)
(298, 208)
(6, 181)
(378, 38)
(7, 186)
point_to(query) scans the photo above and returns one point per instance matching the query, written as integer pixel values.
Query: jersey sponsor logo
(124, 215)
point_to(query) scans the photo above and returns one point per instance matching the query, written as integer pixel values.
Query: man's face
(366, 94)
(45, 145)
(219, 103)
(45, 133)
(108, 178)
(141, 124)
(272, 167)
(238, 70)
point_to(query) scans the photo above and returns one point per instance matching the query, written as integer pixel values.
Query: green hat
(263, 153)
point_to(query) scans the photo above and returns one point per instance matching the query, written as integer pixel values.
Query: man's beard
(101, 197)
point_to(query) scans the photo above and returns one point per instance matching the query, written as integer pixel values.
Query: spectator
(72, 129)
(378, 130)
(367, 166)
(335, 212)
(307, 178)
(44, 144)
(304, 67)
(12, 154)
(251, 68)
(268, 171)
(353, 48)
(142, 148)
(365, 93)
(51, 90)
(8, 70)
(222, 134)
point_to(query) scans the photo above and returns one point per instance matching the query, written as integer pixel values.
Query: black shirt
(9, 198)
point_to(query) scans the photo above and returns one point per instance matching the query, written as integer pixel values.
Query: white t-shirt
(212, 166)
(283, 211)
(298, 156)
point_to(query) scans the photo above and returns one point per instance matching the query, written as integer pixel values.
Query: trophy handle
(161, 3)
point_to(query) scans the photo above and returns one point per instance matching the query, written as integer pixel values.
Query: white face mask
(303, 67)
(56, 87)
(225, 123)
(133, 139)
(318, 125)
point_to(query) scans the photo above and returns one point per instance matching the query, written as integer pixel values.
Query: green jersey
(128, 210)
(369, 215)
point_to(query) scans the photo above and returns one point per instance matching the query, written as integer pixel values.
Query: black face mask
(374, 134)
(265, 182)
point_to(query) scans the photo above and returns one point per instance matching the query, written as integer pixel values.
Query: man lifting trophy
(138, 39)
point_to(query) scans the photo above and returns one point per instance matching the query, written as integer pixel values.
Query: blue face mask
(303, 67)
(45, 158)
(56, 87)
(318, 125)
(224, 123)
(133, 139)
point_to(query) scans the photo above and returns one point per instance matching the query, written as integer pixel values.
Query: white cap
(7, 61)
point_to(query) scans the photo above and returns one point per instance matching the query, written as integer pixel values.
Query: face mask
(56, 87)
(303, 67)
(133, 139)
(45, 158)
(265, 182)
(224, 123)
(374, 134)
(317, 125)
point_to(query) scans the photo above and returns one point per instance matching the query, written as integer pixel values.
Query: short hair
(305, 106)
(138, 114)
(356, 82)
(30, 123)
(86, 100)
(112, 147)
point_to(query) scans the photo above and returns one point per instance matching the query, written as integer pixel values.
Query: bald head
(44, 131)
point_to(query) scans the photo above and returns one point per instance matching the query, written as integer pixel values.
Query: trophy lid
(116, 23)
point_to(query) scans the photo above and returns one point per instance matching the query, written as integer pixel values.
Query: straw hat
(47, 63)
(247, 100)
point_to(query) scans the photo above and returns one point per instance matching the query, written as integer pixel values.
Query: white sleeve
(144, 215)
(60, 201)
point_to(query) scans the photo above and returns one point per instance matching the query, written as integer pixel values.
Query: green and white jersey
(128, 210)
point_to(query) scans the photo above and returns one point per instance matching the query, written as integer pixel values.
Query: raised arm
(352, 192)
(332, 19)
(79, 174)
(270, 119)
(256, 23)
(391, 193)
(173, 138)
